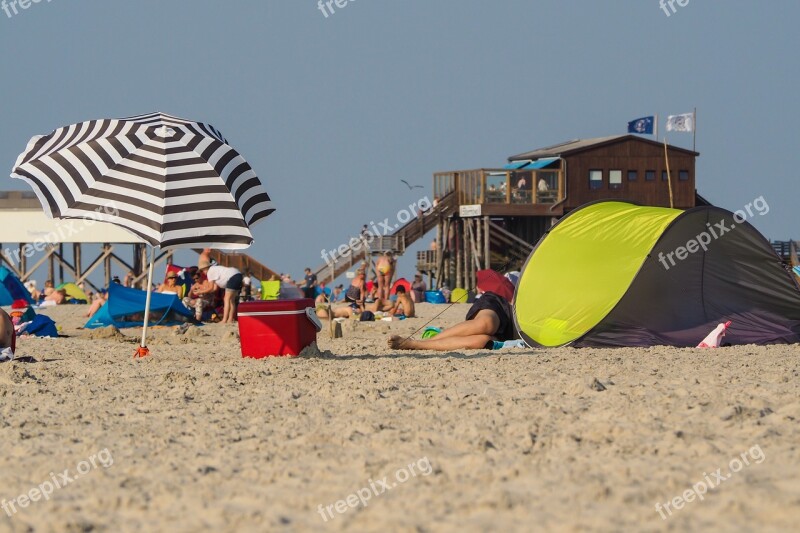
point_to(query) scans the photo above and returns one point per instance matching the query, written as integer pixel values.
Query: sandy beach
(196, 438)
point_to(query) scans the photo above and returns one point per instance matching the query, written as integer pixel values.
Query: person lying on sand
(490, 319)
(340, 311)
(403, 306)
(57, 297)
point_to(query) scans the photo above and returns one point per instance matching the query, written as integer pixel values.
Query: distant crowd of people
(374, 296)
(209, 286)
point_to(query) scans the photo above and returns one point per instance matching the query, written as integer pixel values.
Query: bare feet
(396, 342)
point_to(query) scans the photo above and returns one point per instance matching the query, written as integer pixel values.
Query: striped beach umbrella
(173, 182)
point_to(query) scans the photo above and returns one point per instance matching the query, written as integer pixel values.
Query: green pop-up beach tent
(613, 273)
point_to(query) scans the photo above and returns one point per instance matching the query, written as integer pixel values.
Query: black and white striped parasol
(173, 182)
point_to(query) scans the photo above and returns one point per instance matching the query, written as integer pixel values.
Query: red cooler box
(277, 327)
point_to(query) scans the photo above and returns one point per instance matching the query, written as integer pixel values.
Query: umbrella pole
(143, 351)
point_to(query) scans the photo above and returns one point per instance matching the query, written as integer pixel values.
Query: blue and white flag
(643, 126)
(684, 122)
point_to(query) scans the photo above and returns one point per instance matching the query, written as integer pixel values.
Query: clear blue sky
(333, 112)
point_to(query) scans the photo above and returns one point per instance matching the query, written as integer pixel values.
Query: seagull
(412, 187)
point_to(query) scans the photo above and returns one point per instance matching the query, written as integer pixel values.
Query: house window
(683, 175)
(614, 180)
(633, 175)
(663, 175)
(650, 175)
(595, 179)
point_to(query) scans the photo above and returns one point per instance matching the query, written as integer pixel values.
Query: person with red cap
(490, 319)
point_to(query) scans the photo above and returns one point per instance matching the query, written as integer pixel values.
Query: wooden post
(51, 270)
(76, 258)
(478, 239)
(440, 264)
(669, 177)
(23, 262)
(459, 240)
(459, 252)
(468, 244)
(107, 264)
(467, 253)
(60, 264)
(144, 263)
(487, 252)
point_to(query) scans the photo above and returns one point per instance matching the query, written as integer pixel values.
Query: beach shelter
(613, 273)
(401, 282)
(73, 292)
(175, 183)
(12, 289)
(459, 296)
(125, 309)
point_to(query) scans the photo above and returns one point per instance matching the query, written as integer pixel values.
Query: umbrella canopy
(173, 182)
(491, 281)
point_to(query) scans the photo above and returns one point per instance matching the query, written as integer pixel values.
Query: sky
(332, 112)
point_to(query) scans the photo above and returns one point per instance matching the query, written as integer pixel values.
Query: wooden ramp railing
(242, 262)
(397, 242)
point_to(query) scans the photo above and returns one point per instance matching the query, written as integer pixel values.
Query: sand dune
(519, 440)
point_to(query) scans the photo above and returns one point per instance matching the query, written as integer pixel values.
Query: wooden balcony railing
(501, 186)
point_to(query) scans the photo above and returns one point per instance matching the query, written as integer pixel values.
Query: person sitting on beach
(97, 303)
(340, 311)
(49, 288)
(372, 294)
(35, 293)
(227, 278)
(418, 288)
(8, 337)
(201, 295)
(171, 285)
(337, 295)
(491, 318)
(403, 306)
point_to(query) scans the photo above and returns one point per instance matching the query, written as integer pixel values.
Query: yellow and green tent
(73, 291)
(613, 273)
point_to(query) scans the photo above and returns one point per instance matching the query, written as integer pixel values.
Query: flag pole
(669, 177)
(694, 130)
(656, 127)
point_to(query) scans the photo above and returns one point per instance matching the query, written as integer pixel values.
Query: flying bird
(412, 187)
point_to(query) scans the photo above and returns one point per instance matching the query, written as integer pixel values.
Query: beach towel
(40, 326)
(270, 290)
(6, 354)
(714, 339)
